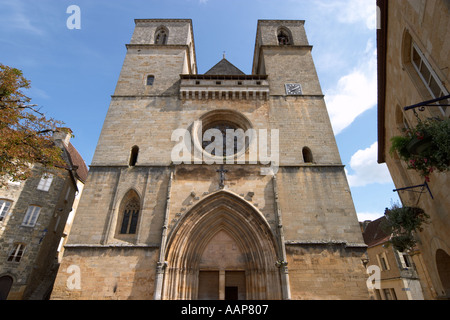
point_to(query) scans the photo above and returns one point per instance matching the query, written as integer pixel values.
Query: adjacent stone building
(402, 275)
(414, 70)
(167, 214)
(33, 215)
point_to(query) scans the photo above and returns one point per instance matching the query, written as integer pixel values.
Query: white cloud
(360, 11)
(352, 11)
(35, 92)
(15, 17)
(355, 92)
(364, 216)
(366, 169)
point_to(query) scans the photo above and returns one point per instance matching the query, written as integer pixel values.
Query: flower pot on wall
(418, 146)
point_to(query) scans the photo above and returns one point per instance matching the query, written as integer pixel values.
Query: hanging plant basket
(403, 243)
(425, 148)
(402, 222)
(418, 146)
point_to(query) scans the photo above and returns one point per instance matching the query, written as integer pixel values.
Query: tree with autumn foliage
(25, 132)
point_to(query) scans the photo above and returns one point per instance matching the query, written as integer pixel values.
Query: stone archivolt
(222, 212)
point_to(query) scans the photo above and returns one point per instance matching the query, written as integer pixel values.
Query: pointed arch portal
(222, 248)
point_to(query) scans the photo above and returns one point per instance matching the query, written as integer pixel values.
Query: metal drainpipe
(162, 264)
(282, 265)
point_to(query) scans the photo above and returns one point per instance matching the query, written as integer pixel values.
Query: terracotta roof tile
(77, 160)
(374, 234)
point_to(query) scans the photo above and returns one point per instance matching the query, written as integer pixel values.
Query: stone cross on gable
(222, 172)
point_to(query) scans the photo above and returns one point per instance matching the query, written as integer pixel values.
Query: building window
(231, 139)
(428, 76)
(130, 217)
(4, 208)
(161, 36)
(382, 261)
(400, 119)
(134, 156)
(17, 253)
(284, 37)
(46, 182)
(377, 294)
(390, 294)
(405, 260)
(307, 155)
(150, 80)
(31, 216)
(223, 133)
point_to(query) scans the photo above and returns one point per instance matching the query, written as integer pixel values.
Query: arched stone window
(443, 267)
(161, 36)
(134, 156)
(223, 126)
(129, 214)
(233, 129)
(307, 155)
(5, 286)
(150, 80)
(284, 37)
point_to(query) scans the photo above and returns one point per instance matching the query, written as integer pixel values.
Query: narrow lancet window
(150, 80)
(284, 37)
(134, 156)
(307, 155)
(130, 217)
(161, 36)
(129, 212)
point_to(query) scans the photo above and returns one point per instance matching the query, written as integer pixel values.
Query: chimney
(363, 225)
(63, 134)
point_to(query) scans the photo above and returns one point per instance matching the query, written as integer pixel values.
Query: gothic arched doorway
(222, 248)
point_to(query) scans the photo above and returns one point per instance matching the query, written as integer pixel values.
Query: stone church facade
(156, 223)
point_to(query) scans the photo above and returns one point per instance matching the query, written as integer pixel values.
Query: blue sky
(74, 72)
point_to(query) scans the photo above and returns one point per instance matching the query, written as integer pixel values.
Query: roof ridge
(224, 67)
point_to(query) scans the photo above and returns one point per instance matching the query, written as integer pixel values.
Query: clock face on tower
(293, 89)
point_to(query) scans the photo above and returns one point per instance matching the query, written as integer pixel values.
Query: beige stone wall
(143, 61)
(290, 65)
(101, 200)
(110, 273)
(149, 124)
(427, 23)
(316, 205)
(311, 209)
(329, 272)
(315, 273)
